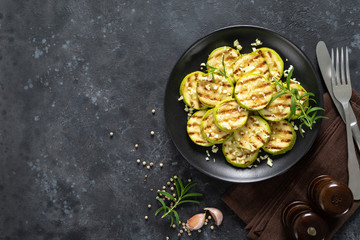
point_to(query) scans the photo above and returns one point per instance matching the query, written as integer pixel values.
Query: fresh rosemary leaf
(159, 210)
(167, 195)
(223, 64)
(189, 186)
(188, 201)
(161, 201)
(292, 107)
(192, 195)
(276, 96)
(213, 77)
(172, 220)
(307, 94)
(177, 187)
(288, 78)
(211, 67)
(295, 92)
(181, 185)
(176, 217)
(312, 109)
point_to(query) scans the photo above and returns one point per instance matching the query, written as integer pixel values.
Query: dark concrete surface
(72, 71)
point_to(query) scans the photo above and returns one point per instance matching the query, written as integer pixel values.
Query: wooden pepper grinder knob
(302, 223)
(330, 196)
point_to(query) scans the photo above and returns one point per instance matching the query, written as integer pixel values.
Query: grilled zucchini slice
(237, 156)
(251, 63)
(210, 131)
(229, 115)
(188, 90)
(274, 61)
(215, 60)
(254, 134)
(280, 108)
(212, 91)
(194, 131)
(282, 138)
(253, 92)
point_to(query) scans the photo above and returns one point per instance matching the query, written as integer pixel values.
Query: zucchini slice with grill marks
(188, 90)
(194, 131)
(210, 131)
(229, 115)
(215, 59)
(212, 91)
(251, 63)
(274, 61)
(237, 156)
(253, 92)
(282, 138)
(254, 134)
(280, 108)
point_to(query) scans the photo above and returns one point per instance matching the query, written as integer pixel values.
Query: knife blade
(324, 62)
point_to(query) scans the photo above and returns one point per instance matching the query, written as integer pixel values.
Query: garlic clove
(216, 214)
(196, 221)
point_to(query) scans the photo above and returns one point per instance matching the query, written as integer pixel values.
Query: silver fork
(341, 87)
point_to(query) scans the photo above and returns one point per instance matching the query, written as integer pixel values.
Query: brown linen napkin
(260, 204)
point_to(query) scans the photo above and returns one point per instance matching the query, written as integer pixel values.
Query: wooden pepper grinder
(330, 196)
(302, 223)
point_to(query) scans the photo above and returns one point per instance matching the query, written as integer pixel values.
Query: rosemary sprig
(182, 196)
(308, 114)
(211, 70)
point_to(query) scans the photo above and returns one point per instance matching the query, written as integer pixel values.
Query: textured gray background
(72, 71)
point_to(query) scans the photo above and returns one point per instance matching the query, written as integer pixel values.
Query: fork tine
(337, 69)
(333, 81)
(342, 67)
(347, 67)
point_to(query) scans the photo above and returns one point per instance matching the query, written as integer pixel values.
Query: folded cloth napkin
(260, 204)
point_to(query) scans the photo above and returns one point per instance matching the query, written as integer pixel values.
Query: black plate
(176, 117)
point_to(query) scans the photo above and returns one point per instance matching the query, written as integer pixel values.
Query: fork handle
(353, 164)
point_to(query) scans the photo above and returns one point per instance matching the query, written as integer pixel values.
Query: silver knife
(324, 61)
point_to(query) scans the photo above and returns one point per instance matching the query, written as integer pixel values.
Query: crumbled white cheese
(203, 64)
(286, 71)
(214, 149)
(269, 162)
(253, 49)
(180, 98)
(257, 43)
(237, 45)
